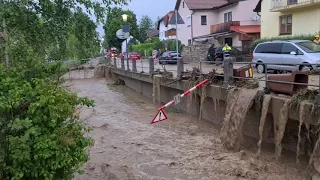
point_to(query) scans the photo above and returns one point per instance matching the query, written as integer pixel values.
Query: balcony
(286, 5)
(223, 27)
(170, 32)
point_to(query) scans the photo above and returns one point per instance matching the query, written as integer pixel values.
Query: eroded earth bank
(128, 147)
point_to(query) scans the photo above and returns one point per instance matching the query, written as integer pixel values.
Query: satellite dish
(255, 17)
(121, 35)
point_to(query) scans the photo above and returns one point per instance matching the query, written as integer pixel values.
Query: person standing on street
(226, 50)
(212, 53)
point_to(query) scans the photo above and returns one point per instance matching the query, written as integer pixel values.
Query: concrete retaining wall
(143, 83)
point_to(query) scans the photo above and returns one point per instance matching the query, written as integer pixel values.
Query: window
(288, 48)
(285, 24)
(183, 5)
(228, 17)
(271, 48)
(189, 41)
(188, 21)
(292, 2)
(309, 47)
(203, 20)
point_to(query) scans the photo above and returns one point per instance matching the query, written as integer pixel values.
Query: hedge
(298, 37)
(148, 46)
(171, 45)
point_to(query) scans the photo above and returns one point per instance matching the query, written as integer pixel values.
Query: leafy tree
(172, 45)
(83, 33)
(145, 26)
(113, 24)
(40, 136)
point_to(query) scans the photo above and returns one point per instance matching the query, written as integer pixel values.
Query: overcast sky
(152, 8)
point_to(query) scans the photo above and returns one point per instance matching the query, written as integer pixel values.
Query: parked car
(285, 55)
(132, 55)
(168, 57)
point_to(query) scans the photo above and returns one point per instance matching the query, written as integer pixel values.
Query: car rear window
(271, 48)
(175, 54)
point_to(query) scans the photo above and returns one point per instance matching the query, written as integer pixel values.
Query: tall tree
(40, 135)
(145, 26)
(83, 30)
(113, 24)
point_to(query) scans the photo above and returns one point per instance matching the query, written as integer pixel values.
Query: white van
(284, 55)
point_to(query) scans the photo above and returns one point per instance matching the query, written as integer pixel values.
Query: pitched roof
(204, 4)
(152, 33)
(165, 19)
(258, 7)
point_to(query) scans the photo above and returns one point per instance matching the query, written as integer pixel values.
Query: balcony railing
(285, 5)
(223, 27)
(171, 32)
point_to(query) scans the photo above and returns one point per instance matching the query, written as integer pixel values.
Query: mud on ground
(128, 147)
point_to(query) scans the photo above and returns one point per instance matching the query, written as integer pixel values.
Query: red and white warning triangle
(161, 116)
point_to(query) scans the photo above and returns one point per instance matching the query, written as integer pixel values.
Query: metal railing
(228, 62)
(277, 5)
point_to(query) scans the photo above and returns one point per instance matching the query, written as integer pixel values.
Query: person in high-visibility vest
(226, 50)
(317, 39)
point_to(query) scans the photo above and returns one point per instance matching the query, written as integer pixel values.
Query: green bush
(299, 37)
(40, 136)
(171, 45)
(149, 46)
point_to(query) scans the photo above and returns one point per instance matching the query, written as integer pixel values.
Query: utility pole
(177, 40)
(5, 38)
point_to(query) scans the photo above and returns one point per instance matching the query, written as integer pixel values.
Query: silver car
(285, 55)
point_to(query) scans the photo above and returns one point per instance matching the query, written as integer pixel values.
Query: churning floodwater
(128, 147)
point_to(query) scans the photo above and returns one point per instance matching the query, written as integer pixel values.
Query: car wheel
(261, 68)
(305, 68)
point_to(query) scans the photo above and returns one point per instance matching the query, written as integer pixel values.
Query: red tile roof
(203, 4)
(152, 33)
(246, 29)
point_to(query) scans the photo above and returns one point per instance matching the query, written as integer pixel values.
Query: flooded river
(128, 147)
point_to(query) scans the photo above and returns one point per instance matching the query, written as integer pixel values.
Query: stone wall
(197, 51)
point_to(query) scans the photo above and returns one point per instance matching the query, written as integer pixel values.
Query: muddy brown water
(128, 147)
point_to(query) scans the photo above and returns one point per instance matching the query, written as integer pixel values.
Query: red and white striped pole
(161, 115)
(185, 93)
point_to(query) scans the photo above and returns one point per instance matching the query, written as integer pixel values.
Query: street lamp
(126, 30)
(124, 17)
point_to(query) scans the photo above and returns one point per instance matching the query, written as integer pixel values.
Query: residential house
(231, 22)
(153, 33)
(289, 17)
(166, 30)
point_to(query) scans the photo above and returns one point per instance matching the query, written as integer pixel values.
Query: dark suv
(168, 57)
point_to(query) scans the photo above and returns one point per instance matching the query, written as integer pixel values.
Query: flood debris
(100, 71)
(313, 169)
(203, 97)
(304, 119)
(301, 95)
(239, 102)
(156, 89)
(248, 84)
(280, 121)
(264, 112)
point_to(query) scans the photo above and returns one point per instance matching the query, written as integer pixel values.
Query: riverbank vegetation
(40, 135)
